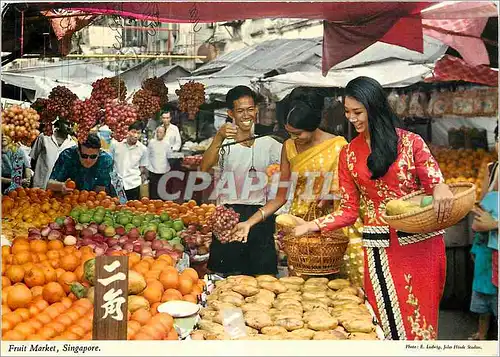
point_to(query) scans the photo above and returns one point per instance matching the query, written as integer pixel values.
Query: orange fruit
(59, 272)
(15, 273)
(53, 292)
(55, 245)
(38, 246)
(66, 279)
(13, 336)
(153, 291)
(22, 257)
(169, 279)
(5, 282)
(49, 273)
(52, 254)
(185, 285)
(142, 316)
(190, 298)
(69, 262)
(19, 296)
(24, 313)
(193, 274)
(37, 290)
(34, 277)
(20, 246)
(167, 258)
(5, 250)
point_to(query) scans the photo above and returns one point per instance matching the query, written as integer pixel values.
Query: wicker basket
(425, 220)
(316, 253)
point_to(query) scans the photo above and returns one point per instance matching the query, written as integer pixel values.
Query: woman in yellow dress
(309, 160)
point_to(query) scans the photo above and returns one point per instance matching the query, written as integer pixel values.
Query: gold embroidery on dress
(419, 327)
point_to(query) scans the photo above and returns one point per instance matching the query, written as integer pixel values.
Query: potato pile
(289, 308)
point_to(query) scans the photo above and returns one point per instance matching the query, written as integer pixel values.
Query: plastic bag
(234, 323)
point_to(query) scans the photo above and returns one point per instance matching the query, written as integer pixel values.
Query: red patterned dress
(404, 273)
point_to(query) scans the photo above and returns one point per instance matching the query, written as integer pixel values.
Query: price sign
(110, 299)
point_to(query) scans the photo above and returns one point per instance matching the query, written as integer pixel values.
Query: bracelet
(263, 213)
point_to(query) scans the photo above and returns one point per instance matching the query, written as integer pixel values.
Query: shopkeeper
(131, 159)
(239, 162)
(86, 164)
(172, 134)
(47, 149)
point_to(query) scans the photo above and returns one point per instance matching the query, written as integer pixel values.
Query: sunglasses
(86, 156)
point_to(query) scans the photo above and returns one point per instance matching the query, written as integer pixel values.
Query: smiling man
(241, 165)
(86, 164)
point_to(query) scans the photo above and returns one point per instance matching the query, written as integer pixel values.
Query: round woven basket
(425, 219)
(316, 253)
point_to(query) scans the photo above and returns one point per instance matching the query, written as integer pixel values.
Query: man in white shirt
(130, 158)
(172, 135)
(46, 150)
(158, 152)
(240, 163)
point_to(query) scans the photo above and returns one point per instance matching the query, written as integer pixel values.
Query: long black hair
(382, 123)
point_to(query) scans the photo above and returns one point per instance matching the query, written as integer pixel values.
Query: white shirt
(158, 152)
(46, 151)
(235, 173)
(127, 162)
(173, 138)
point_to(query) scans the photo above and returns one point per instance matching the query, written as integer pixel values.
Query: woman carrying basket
(405, 273)
(310, 152)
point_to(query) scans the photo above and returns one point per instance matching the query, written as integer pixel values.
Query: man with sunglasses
(86, 164)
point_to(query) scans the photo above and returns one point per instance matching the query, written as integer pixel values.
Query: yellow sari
(323, 158)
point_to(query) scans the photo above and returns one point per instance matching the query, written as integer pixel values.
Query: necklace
(252, 173)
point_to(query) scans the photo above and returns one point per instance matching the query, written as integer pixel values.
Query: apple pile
(222, 222)
(157, 87)
(108, 88)
(105, 240)
(46, 117)
(147, 104)
(61, 101)
(191, 96)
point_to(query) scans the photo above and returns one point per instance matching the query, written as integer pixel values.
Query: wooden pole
(132, 56)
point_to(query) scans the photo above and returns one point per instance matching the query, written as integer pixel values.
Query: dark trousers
(256, 257)
(133, 193)
(154, 180)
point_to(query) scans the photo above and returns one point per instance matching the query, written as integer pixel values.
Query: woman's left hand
(305, 228)
(240, 232)
(443, 202)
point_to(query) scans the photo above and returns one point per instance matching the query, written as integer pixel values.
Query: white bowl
(178, 308)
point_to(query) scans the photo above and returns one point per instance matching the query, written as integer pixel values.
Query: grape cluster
(20, 124)
(158, 87)
(222, 221)
(84, 113)
(46, 117)
(118, 116)
(108, 88)
(191, 96)
(147, 104)
(60, 101)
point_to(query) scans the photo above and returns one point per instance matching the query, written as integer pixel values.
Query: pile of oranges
(189, 212)
(463, 165)
(41, 321)
(45, 268)
(34, 207)
(164, 282)
(37, 302)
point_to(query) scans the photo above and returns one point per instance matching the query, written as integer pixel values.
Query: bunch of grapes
(191, 96)
(118, 116)
(60, 101)
(85, 114)
(46, 117)
(147, 104)
(222, 221)
(20, 124)
(158, 87)
(108, 88)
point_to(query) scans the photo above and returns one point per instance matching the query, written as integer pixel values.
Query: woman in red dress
(405, 273)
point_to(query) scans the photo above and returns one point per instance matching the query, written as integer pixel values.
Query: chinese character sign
(110, 301)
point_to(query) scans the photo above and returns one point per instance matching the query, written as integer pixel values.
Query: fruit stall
(50, 244)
